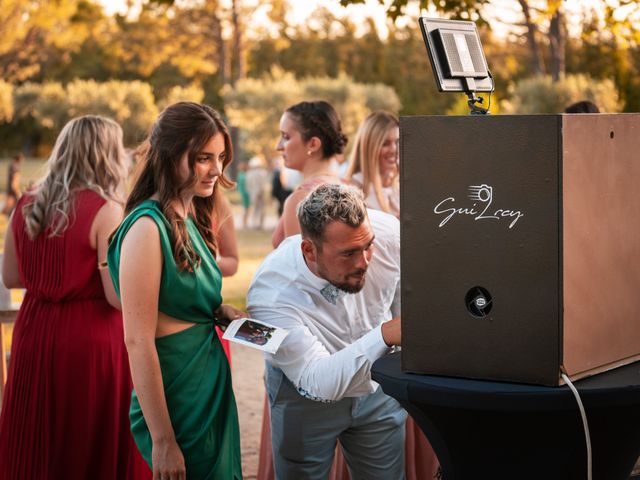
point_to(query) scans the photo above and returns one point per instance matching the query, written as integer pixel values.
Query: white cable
(584, 422)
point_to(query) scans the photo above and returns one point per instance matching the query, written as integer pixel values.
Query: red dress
(66, 404)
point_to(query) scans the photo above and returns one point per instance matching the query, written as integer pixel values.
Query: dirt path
(248, 369)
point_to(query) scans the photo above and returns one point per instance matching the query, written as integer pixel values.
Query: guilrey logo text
(481, 209)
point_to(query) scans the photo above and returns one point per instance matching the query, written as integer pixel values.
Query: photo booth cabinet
(520, 245)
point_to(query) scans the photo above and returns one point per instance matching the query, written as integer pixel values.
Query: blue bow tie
(331, 293)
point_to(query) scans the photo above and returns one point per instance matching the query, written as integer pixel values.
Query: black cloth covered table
(495, 430)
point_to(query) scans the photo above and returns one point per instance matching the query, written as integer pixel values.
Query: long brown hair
(88, 154)
(181, 127)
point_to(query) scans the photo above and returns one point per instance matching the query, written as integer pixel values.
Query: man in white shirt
(336, 287)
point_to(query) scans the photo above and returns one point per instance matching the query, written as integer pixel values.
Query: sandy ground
(248, 368)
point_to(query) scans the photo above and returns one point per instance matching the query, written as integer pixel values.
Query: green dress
(195, 371)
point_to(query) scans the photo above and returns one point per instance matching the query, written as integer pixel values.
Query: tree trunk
(537, 62)
(238, 50)
(557, 41)
(215, 27)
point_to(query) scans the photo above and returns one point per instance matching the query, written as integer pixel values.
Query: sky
(300, 9)
(501, 13)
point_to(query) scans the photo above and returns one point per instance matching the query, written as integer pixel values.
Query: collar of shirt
(329, 292)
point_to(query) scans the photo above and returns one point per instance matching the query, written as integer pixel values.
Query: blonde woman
(373, 165)
(65, 411)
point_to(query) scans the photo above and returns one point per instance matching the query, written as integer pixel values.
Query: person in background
(183, 411)
(373, 166)
(224, 230)
(584, 106)
(257, 180)
(227, 259)
(13, 184)
(244, 194)
(310, 139)
(65, 410)
(341, 166)
(279, 191)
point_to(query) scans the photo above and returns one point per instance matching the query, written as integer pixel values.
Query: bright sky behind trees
(503, 14)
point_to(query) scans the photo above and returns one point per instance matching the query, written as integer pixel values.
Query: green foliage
(609, 47)
(50, 105)
(461, 105)
(6, 101)
(31, 33)
(542, 95)
(46, 103)
(354, 101)
(399, 62)
(131, 104)
(255, 105)
(190, 93)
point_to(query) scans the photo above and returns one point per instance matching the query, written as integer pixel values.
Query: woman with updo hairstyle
(310, 138)
(162, 260)
(65, 408)
(373, 166)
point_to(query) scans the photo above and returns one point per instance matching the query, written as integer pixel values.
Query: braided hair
(319, 119)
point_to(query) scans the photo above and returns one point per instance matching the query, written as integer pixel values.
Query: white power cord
(584, 421)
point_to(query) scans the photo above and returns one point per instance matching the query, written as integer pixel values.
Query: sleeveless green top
(190, 296)
(195, 373)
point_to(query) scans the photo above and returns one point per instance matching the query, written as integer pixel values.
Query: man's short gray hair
(328, 203)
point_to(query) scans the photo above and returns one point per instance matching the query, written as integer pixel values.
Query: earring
(308, 153)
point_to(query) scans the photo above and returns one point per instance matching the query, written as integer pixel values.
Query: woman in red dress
(65, 411)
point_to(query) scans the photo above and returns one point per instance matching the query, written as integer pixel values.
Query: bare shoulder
(295, 198)
(225, 204)
(110, 213)
(144, 229)
(141, 244)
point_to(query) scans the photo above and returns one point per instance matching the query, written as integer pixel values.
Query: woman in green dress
(162, 262)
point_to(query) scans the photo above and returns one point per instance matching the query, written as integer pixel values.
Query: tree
(329, 46)
(178, 93)
(30, 32)
(545, 95)
(44, 108)
(6, 102)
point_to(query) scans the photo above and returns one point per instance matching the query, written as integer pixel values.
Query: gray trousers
(304, 433)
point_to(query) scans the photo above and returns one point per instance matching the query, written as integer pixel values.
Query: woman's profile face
(388, 157)
(207, 167)
(291, 144)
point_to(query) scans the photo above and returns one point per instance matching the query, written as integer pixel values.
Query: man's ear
(308, 250)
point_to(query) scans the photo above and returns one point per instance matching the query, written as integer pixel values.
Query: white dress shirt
(330, 348)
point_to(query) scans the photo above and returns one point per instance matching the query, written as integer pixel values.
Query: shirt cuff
(373, 345)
